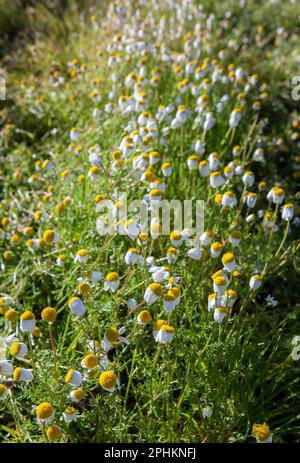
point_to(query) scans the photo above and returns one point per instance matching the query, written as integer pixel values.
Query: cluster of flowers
(159, 143)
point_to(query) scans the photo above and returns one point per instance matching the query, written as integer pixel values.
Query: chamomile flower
(155, 230)
(206, 237)
(49, 315)
(287, 212)
(220, 285)
(50, 236)
(169, 301)
(251, 199)
(74, 378)
(109, 381)
(248, 178)
(22, 375)
(113, 335)
(235, 238)
(54, 433)
(176, 238)
(144, 317)
(133, 257)
(153, 293)
(112, 282)
(74, 134)
(61, 260)
(215, 249)
(11, 315)
(44, 413)
(204, 169)
(255, 282)
(192, 162)
(235, 118)
(76, 306)
(157, 326)
(228, 261)
(132, 229)
(70, 414)
(165, 334)
(220, 313)
(76, 395)
(276, 195)
(18, 349)
(262, 433)
(81, 256)
(172, 255)
(27, 322)
(90, 361)
(228, 299)
(166, 169)
(216, 179)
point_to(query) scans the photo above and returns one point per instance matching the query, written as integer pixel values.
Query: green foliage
(242, 368)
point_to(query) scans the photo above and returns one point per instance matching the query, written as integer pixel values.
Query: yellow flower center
(236, 234)
(145, 316)
(11, 315)
(82, 252)
(69, 375)
(158, 324)
(2, 390)
(167, 328)
(27, 315)
(220, 281)
(230, 294)
(169, 297)
(28, 231)
(70, 410)
(44, 410)
(219, 273)
(261, 431)
(155, 192)
(84, 287)
(216, 246)
(49, 314)
(172, 251)
(175, 235)
(36, 332)
(112, 334)
(91, 361)
(143, 237)
(227, 258)
(156, 289)
(14, 348)
(53, 433)
(95, 170)
(112, 276)
(17, 373)
(48, 236)
(78, 393)
(108, 379)
(133, 250)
